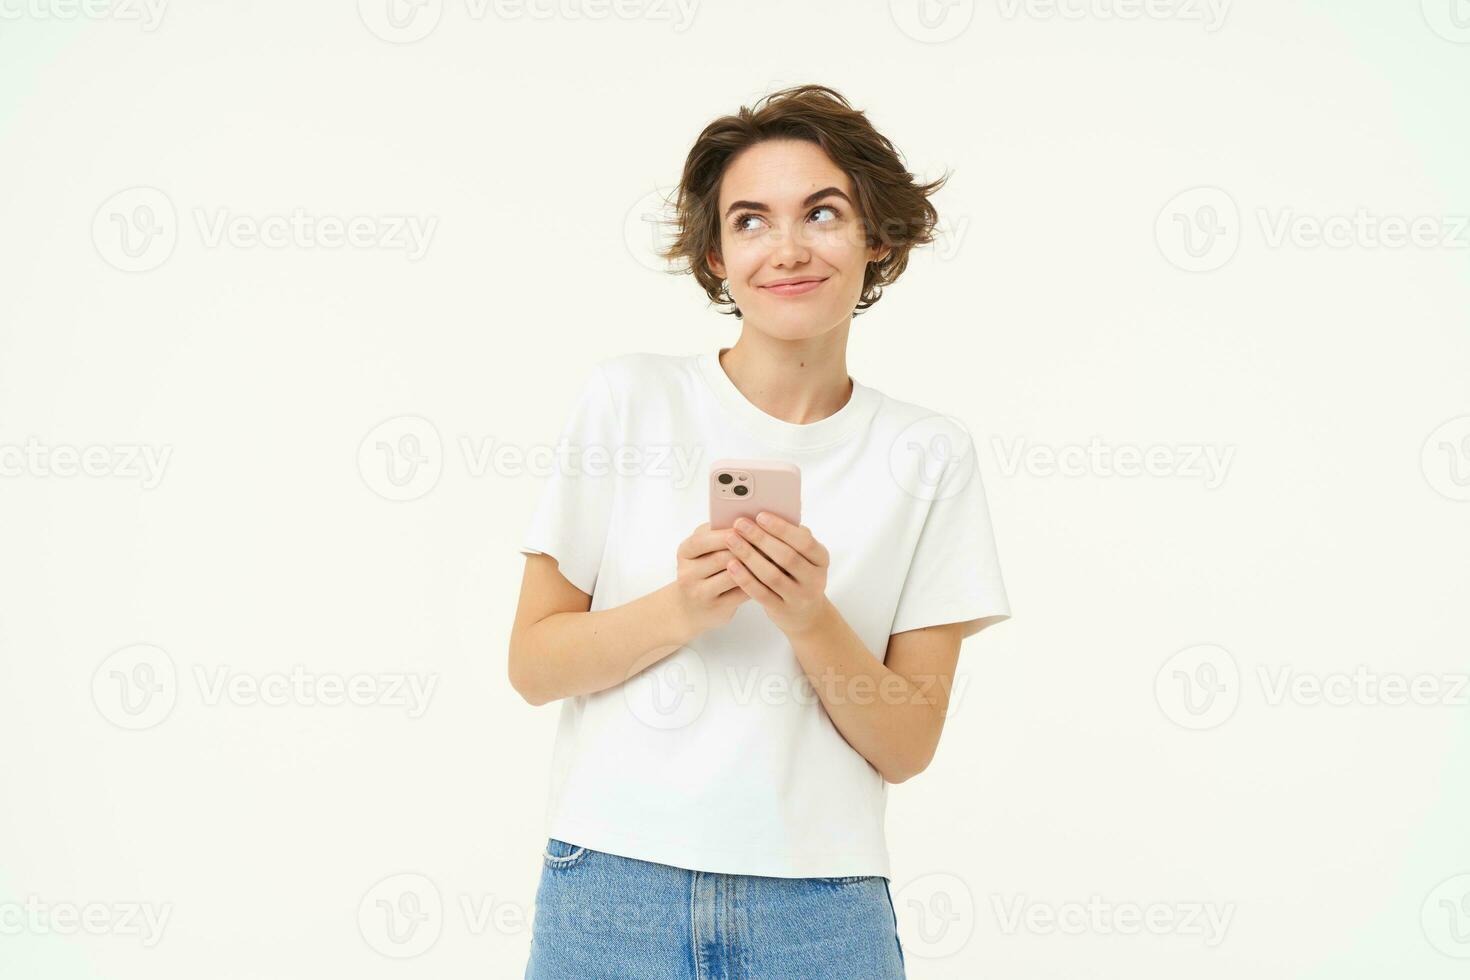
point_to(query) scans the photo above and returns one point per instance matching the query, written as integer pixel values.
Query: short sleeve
(954, 576)
(572, 516)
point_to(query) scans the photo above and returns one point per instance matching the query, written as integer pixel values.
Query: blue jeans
(603, 916)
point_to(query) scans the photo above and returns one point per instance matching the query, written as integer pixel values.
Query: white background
(1061, 306)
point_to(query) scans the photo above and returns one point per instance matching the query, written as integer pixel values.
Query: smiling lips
(794, 287)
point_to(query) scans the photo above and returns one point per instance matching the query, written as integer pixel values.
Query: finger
(720, 585)
(751, 585)
(779, 552)
(762, 567)
(703, 542)
(736, 538)
(706, 565)
(798, 536)
(697, 542)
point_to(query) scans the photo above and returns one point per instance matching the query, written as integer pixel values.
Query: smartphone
(745, 487)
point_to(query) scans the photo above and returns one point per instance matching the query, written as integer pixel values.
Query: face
(786, 212)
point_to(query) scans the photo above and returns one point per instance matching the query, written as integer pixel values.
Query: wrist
(817, 623)
(670, 620)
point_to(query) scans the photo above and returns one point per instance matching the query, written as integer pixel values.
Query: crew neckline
(820, 434)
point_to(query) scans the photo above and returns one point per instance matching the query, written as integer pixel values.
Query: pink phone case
(770, 485)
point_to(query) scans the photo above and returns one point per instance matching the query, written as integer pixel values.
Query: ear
(715, 265)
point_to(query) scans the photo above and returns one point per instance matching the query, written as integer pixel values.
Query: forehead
(779, 172)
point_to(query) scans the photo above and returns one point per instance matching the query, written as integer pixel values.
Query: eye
(738, 223)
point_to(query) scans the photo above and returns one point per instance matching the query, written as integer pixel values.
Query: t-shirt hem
(557, 551)
(959, 614)
(681, 854)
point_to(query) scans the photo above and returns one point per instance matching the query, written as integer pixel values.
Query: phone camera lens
(724, 478)
(741, 491)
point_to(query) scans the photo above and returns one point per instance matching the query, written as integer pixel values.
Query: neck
(797, 381)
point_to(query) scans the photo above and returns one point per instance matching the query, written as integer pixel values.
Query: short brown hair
(895, 210)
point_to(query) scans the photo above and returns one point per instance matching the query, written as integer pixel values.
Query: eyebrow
(810, 200)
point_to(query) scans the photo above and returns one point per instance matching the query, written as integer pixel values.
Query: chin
(791, 323)
(788, 328)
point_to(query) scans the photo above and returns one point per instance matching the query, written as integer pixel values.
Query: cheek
(736, 258)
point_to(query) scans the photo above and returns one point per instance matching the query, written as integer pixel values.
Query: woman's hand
(704, 592)
(781, 566)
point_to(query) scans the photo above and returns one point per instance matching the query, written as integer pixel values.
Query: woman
(735, 702)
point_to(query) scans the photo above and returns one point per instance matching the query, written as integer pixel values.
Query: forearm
(572, 653)
(888, 719)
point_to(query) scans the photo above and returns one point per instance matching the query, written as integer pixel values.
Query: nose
(790, 249)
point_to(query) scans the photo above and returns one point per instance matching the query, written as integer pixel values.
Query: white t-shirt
(721, 757)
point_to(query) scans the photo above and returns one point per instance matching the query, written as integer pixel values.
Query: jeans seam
(893, 911)
(694, 925)
(562, 860)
